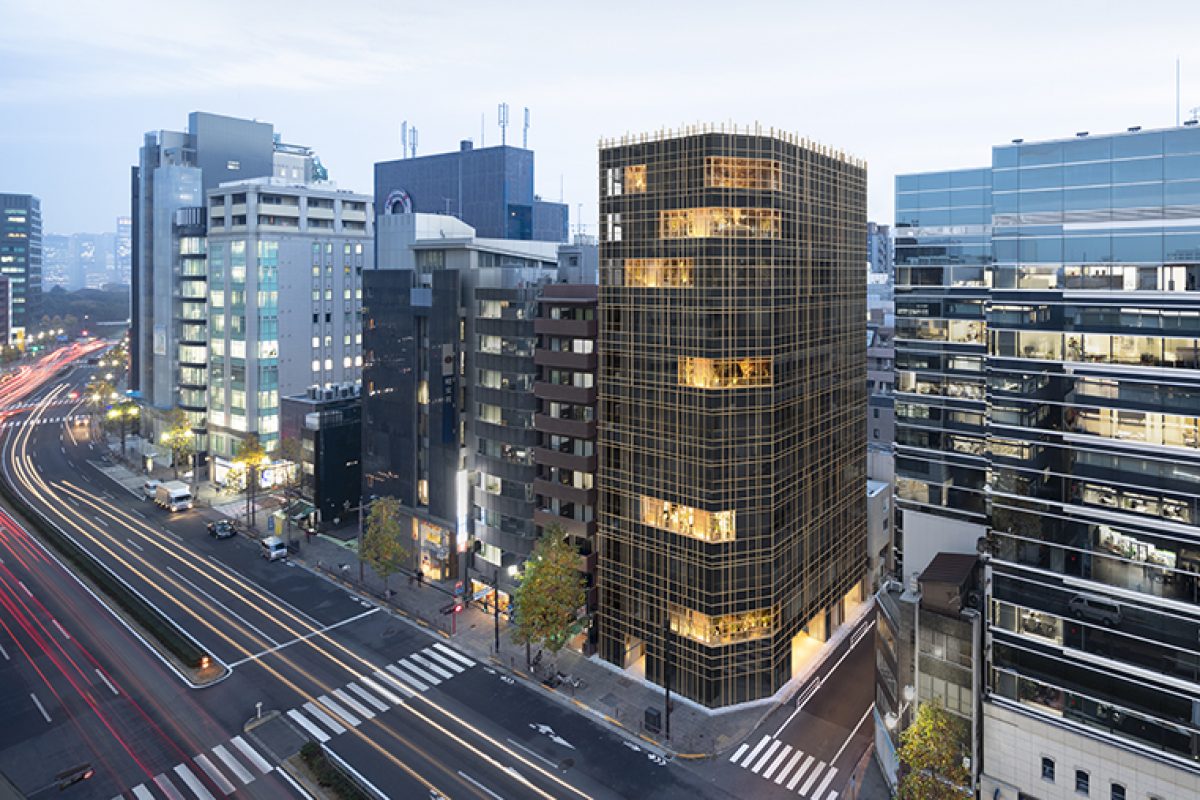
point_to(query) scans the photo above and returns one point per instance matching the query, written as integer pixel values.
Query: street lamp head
(512, 570)
(890, 720)
(909, 693)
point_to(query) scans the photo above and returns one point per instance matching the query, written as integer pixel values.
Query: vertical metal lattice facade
(732, 393)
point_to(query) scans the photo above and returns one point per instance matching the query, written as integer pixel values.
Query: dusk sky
(907, 87)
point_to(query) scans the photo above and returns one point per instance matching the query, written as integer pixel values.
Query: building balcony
(320, 213)
(579, 328)
(584, 362)
(578, 395)
(555, 458)
(583, 497)
(279, 209)
(580, 530)
(349, 215)
(544, 423)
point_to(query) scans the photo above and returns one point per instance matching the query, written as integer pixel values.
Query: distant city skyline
(906, 92)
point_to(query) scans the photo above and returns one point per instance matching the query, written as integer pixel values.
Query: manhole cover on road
(566, 764)
(390, 631)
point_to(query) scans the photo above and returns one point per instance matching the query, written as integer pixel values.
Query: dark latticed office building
(732, 392)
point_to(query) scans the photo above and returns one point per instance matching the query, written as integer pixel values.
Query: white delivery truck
(173, 496)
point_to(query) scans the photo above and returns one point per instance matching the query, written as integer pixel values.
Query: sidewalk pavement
(612, 696)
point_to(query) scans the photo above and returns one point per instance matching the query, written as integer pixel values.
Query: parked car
(222, 529)
(150, 489)
(274, 548)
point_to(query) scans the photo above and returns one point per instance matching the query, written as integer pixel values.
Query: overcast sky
(906, 86)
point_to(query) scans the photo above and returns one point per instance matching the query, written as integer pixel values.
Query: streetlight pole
(496, 605)
(667, 674)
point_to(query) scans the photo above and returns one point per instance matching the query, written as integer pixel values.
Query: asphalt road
(810, 747)
(409, 713)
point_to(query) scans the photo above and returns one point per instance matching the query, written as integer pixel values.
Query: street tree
(250, 458)
(122, 413)
(383, 539)
(933, 752)
(179, 438)
(549, 595)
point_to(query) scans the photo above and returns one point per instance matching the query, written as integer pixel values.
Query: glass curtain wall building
(21, 257)
(1092, 460)
(943, 250)
(732, 531)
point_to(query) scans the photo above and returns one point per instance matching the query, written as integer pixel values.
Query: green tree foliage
(932, 753)
(550, 593)
(383, 538)
(179, 438)
(249, 458)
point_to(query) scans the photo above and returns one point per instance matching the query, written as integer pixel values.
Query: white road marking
(215, 774)
(142, 793)
(135, 545)
(802, 701)
(140, 514)
(433, 681)
(808, 762)
(107, 682)
(233, 764)
(787, 748)
(437, 658)
(167, 787)
(762, 743)
(221, 605)
(861, 720)
(327, 720)
(740, 752)
(812, 778)
(24, 588)
(783, 773)
(312, 729)
(762, 761)
(428, 664)
(332, 705)
(39, 705)
(400, 685)
(378, 704)
(305, 637)
(454, 654)
(61, 629)
(382, 691)
(4, 653)
(825, 783)
(193, 782)
(478, 785)
(533, 753)
(355, 706)
(251, 754)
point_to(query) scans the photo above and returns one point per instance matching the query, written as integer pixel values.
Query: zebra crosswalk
(17, 423)
(31, 403)
(787, 767)
(218, 772)
(235, 764)
(372, 694)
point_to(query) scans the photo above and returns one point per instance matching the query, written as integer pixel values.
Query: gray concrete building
(285, 263)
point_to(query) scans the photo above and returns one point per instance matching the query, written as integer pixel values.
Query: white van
(1096, 609)
(150, 489)
(274, 548)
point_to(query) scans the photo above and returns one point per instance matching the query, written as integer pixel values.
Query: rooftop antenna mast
(1177, 91)
(502, 119)
(413, 141)
(404, 139)
(525, 132)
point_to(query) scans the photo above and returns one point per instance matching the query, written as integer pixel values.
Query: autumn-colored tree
(383, 539)
(179, 438)
(550, 594)
(250, 457)
(122, 413)
(933, 752)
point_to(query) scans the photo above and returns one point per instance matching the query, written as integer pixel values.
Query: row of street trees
(548, 601)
